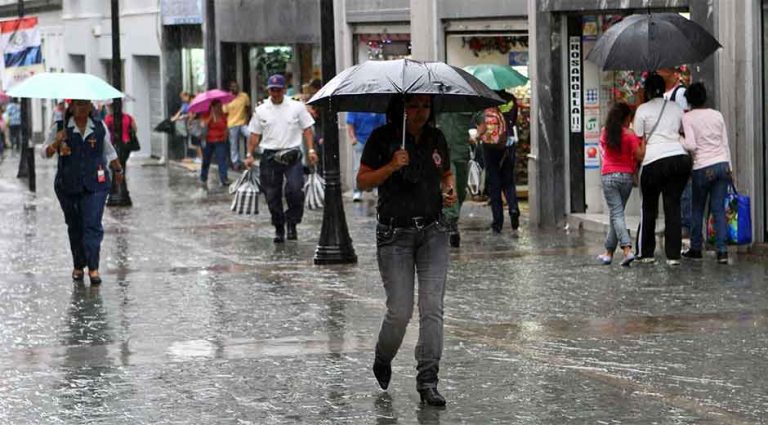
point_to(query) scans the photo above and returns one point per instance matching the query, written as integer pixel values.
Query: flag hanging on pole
(20, 43)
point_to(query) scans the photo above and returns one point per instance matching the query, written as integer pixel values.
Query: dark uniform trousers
(272, 175)
(82, 213)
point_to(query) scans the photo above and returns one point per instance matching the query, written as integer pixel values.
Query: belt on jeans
(407, 222)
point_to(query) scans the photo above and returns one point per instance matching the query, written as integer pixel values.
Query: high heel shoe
(95, 279)
(431, 397)
(78, 275)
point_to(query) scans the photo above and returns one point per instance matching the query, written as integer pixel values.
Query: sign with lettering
(181, 12)
(574, 82)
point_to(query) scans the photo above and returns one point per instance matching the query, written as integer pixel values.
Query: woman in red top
(129, 124)
(620, 150)
(214, 125)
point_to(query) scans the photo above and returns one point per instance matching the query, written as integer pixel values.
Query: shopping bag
(474, 175)
(738, 219)
(314, 191)
(246, 192)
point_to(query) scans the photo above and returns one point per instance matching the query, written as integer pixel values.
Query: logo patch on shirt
(437, 158)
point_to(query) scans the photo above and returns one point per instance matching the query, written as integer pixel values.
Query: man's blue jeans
(710, 181)
(235, 134)
(403, 253)
(616, 188)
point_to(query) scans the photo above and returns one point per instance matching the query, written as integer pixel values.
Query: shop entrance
(590, 92)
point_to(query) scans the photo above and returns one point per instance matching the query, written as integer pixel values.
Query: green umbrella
(497, 77)
(65, 85)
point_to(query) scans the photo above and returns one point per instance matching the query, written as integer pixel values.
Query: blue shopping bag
(738, 219)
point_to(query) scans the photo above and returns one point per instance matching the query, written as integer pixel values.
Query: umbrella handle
(402, 146)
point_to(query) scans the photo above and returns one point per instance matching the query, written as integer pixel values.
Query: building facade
(77, 37)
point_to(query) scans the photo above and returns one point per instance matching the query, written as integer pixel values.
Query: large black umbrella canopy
(370, 86)
(652, 41)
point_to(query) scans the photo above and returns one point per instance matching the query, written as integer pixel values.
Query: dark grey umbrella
(368, 87)
(651, 41)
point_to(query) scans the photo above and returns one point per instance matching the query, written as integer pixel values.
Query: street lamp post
(118, 196)
(27, 156)
(335, 245)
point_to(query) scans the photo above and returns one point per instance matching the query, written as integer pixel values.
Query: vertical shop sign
(574, 82)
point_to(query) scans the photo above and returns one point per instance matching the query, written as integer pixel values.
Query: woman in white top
(665, 170)
(707, 139)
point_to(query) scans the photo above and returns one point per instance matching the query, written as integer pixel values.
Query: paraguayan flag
(20, 43)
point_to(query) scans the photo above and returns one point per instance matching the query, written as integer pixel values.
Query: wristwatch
(249, 155)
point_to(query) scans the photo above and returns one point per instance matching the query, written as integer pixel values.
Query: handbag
(474, 175)
(738, 219)
(314, 191)
(133, 141)
(287, 156)
(246, 192)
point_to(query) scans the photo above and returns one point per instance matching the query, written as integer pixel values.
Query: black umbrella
(370, 86)
(652, 41)
(165, 126)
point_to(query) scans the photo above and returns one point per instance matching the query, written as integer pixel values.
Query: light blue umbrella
(65, 85)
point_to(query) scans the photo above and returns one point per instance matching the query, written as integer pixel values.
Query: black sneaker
(383, 373)
(694, 254)
(292, 235)
(279, 234)
(515, 220)
(722, 257)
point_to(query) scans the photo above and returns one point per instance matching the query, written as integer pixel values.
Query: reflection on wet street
(202, 319)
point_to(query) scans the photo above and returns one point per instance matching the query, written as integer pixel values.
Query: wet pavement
(202, 319)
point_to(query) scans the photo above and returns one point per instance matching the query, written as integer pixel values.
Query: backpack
(496, 128)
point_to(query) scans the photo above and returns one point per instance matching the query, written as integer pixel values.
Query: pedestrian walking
(498, 158)
(360, 125)
(455, 127)
(619, 151)
(278, 125)
(414, 183)
(123, 152)
(665, 170)
(706, 138)
(82, 182)
(14, 123)
(237, 111)
(214, 125)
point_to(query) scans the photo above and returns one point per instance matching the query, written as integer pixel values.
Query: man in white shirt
(278, 125)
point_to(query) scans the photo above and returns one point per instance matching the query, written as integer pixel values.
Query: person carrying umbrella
(214, 124)
(82, 182)
(415, 183)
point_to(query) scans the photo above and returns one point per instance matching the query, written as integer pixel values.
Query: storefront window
(382, 47)
(193, 70)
